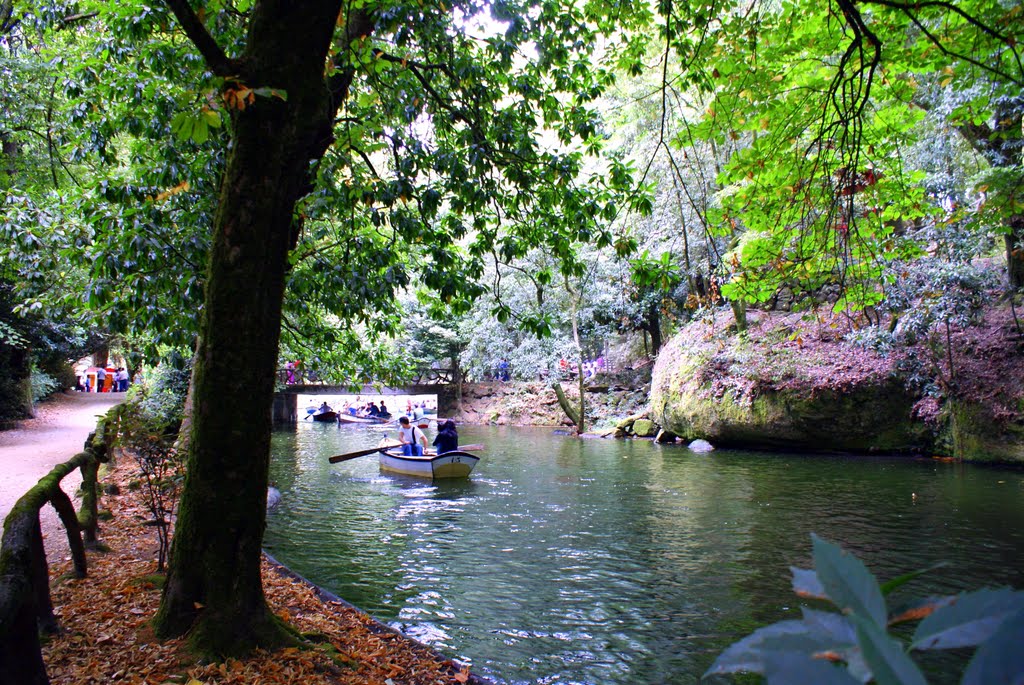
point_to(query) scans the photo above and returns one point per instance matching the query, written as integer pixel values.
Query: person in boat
(412, 438)
(372, 410)
(447, 438)
(384, 413)
(324, 408)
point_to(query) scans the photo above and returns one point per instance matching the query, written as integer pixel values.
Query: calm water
(600, 561)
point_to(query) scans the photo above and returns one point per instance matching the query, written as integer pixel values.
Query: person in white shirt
(412, 438)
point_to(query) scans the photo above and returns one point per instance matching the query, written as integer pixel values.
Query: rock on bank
(790, 385)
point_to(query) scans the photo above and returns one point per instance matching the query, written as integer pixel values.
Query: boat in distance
(325, 416)
(453, 464)
(344, 417)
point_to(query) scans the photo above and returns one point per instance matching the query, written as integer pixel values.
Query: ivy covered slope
(801, 383)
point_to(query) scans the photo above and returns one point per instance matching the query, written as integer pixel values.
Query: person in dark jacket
(447, 438)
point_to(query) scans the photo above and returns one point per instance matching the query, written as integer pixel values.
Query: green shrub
(854, 645)
(43, 385)
(162, 397)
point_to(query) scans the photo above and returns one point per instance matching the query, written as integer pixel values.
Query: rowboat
(448, 465)
(325, 416)
(455, 464)
(350, 418)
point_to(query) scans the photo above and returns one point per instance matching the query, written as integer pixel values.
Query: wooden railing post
(25, 604)
(99, 445)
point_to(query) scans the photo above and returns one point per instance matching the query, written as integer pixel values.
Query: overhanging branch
(218, 62)
(912, 11)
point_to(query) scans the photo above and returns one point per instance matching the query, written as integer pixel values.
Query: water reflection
(566, 561)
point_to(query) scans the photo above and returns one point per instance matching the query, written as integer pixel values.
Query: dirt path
(30, 451)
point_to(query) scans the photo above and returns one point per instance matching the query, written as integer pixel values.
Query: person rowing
(412, 438)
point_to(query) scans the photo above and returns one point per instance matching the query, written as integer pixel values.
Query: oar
(355, 455)
(380, 448)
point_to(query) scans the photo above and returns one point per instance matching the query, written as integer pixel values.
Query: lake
(609, 561)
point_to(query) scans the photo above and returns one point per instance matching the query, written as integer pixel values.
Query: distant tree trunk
(581, 423)
(739, 312)
(564, 403)
(214, 587)
(21, 380)
(101, 356)
(1015, 251)
(9, 151)
(654, 326)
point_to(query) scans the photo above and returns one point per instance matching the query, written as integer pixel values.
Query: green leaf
(969, 620)
(848, 583)
(788, 668)
(890, 585)
(200, 131)
(211, 117)
(272, 93)
(181, 126)
(889, 664)
(1000, 659)
(806, 583)
(834, 628)
(747, 655)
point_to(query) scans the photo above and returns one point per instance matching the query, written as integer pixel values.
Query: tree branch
(75, 18)
(6, 12)
(358, 24)
(217, 61)
(911, 10)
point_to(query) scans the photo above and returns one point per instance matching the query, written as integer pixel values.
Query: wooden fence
(25, 606)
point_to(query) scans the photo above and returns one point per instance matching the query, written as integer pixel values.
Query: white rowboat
(448, 465)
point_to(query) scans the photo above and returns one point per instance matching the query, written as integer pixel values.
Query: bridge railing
(425, 376)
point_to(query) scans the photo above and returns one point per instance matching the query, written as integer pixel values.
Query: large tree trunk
(214, 586)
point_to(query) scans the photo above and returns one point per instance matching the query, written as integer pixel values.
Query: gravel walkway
(30, 451)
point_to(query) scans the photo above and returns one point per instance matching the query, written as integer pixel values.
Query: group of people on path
(118, 381)
(414, 442)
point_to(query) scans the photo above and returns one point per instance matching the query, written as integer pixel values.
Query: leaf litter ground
(106, 634)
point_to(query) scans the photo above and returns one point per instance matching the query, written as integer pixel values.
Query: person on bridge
(412, 438)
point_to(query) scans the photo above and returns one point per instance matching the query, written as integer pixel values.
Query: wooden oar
(380, 448)
(355, 455)
(461, 448)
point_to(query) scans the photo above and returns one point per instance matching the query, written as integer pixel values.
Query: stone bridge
(441, 382)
